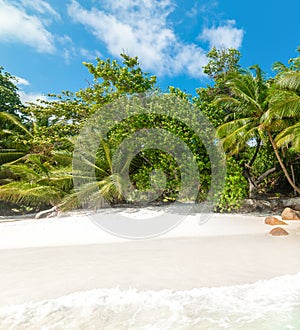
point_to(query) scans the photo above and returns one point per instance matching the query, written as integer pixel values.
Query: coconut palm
(285, 104)
(106, 186)
(249, 105)
(33, 181)
(246, 105)
(32, 173)
(41, 181)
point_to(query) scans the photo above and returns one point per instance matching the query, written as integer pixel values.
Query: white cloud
(89, 55)
(65, 39)
(17, 26)
(31, 97)
(203, 8)
(21, 81)
(70, 51)
(140, 27)
(25, 96)
(41, 7)
(224, 36)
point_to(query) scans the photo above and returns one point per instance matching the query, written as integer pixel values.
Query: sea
(269, 305)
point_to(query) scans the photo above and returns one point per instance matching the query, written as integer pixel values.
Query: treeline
(257, 120)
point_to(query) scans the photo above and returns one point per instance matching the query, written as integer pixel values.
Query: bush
(235, 189)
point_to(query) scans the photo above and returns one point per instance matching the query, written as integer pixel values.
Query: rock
(269, 205)
(256, 205)
(272, 221)
(276, 204)
(290, 214)
(293, 203)
(278, 231)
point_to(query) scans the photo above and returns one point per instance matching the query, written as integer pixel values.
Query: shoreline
(267, 304)
(39, 273)
(78, 229)
(50, 258)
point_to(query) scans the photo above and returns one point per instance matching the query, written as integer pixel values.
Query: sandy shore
(48, 258)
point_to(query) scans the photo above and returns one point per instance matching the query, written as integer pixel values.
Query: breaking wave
(269, 304)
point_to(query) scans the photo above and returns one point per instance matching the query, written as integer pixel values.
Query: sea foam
(268, 304)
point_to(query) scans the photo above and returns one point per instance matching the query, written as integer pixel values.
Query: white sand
(48, 258)
(80, 230)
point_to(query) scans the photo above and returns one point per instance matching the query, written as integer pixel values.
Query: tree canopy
(257, 121)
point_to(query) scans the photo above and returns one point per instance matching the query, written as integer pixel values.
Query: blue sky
(44, 42)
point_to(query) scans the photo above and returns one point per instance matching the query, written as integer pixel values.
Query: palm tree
(32, 173)
(285, 104)
(10, 132)
(108, 184)
(33, 181)
(38, 175)
(249, 105)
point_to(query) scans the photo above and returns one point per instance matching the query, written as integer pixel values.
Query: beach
(51, 261)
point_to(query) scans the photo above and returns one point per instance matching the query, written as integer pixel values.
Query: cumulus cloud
(223, 36)
(140, 27)
(16, 25)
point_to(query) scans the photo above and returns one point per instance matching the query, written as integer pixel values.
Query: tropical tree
(9, 98)
(34, 181)
(284, 112)
(285, 103)
(222, 63)
(38, 140)
(10, 116)
(246, 123)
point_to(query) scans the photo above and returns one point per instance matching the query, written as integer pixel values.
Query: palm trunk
(293, 177)
(282, 165)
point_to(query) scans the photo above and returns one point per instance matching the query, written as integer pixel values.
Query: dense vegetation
(257, 120)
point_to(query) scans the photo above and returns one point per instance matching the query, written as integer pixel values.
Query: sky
(44, 42)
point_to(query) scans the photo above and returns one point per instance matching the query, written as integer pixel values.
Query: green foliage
(285, 104)
(33, 180)
(111, 80)
(251, 105)
(9, 99)
(248, 110)
(41, 140)
(246, 107)
(222, 63)
(235, 189)
(216, 114)
(151, 162)
(10, 106)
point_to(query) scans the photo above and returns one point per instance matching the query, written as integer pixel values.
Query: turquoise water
(270, 304)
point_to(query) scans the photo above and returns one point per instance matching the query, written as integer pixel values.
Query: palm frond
(236, 134)
(289, 135)
(63, 157)
(9, 155)
(14, 120)
(279, 67)
(22, 171)
(289, 80)
(62, 178)
(30, 194)
(283, 105)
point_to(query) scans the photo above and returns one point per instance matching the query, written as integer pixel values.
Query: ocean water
(268, 305)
